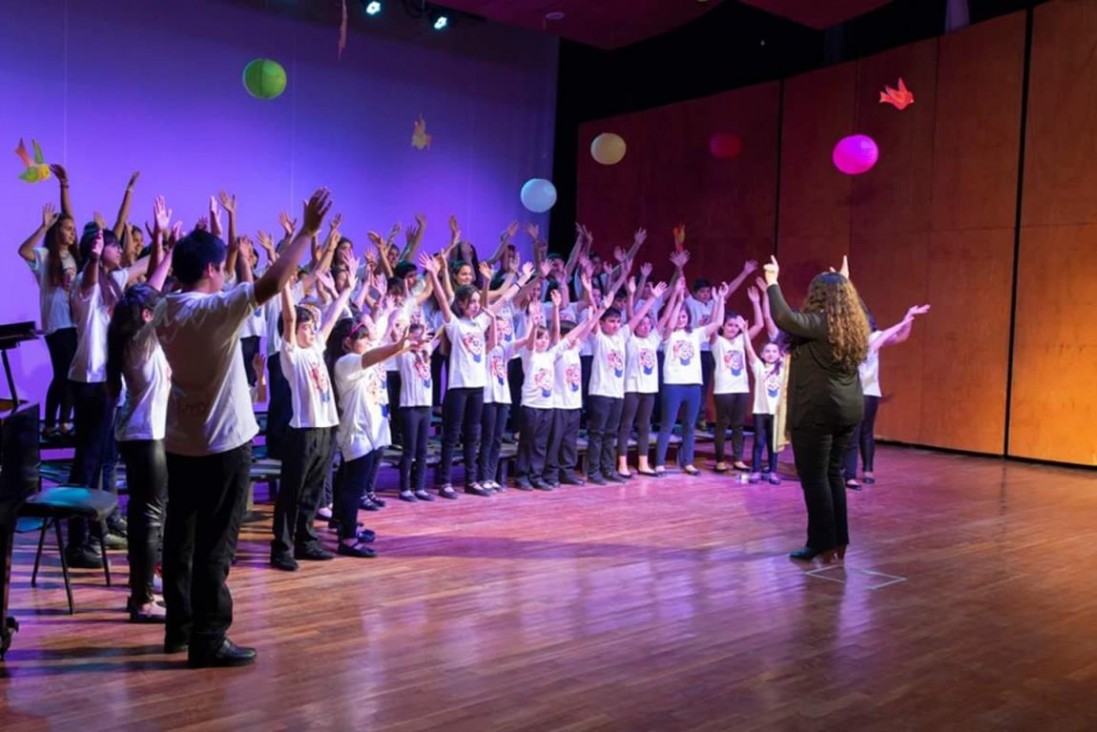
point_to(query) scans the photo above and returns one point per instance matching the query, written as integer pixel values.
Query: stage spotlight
(439, 19)
(373, 7)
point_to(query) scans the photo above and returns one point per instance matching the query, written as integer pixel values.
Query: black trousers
(563, 447)
(493, 423)
(586, 363)
(94, 437)
(516, 377)
(438, 362)
(602, 422)
(307, 460)
(863, 439)
(357, 477)
(461, 412)
(208, 496)
(147, 485)
(819, 453)
(708, 371)
(636, 410)
(533, 442)
(415, 425)
(279, 409)
(763, 438)
(62, 347)
(249, 346)
(393, 382)
(731, 410)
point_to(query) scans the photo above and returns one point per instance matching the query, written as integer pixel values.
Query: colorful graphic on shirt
(474, 344)
(773, 384)
(616, 361)
(505, 328)
(543, 380)
(573, 375)
(498, 368)
(733, 360)
(647, 361)
(683, 351)
(422, 371)
(318, 380)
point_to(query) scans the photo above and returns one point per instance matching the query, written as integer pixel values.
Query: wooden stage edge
(967, 601)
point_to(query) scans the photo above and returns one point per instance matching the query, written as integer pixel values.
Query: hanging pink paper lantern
(725, 145)
(855, 154)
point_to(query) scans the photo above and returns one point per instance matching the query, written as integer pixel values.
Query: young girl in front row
(769, 382)
(731, 386)
(416, 389)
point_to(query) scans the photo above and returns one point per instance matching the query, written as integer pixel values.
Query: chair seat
(70, 501)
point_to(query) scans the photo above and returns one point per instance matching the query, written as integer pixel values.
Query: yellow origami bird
(37, 170)
(420, 138)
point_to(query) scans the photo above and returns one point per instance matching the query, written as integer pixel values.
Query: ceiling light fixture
(373, 7)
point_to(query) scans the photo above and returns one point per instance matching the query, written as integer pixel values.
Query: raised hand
(630, 286)
(176, 231)
(133, 180)
(227, 202)
(750, 266)
(753, 294)
(917, 310)
(526, 272)
(266, 241)
(214, 216)
(99, 220)
(534, 231)
(412, 233)
(288, 225)
(680, 286)
(660, 289)
(97, 245)
(315, 209)
(61, 174)
(679, 258)
(640, 236)
(771, 270)
(646, 269)
(741, 323)
(202, 224)
(760, 284)
(723, 291)
(619, 254)
(49, 215)
(546, 268)
(607, 268)
(161, 215)
(428, 263)
(486, 271)
(511, 231)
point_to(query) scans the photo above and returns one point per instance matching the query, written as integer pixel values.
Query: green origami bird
(37, 170)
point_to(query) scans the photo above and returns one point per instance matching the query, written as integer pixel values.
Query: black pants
(279, 409)
(516, 377)
(819, 453)
(356, 478)
(533, 442)
(307, 460)
(94, 437)
(708, 370)
(863, 438)
(249, 346)
(763, 437)
(62, 347)
(563, 448)
(207, 495)
(602, 422)
(585, 365)
(438, 362)
(147, 485)
(415, 424)
(393, 383)
(636, 410)
(731, 410)
(493, 423)
(461, 412)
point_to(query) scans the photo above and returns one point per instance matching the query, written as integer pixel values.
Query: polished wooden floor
(968, 601)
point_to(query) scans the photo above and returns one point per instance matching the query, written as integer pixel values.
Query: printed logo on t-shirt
(318, 380)
(498, 368)
(734, 361)
(683, 351)
(543, 380)
(773, 385)
(422, 370)
(647, 361)
(506, 328)
(573, 374)
(374, 388)
(474, 344)
(616, 361)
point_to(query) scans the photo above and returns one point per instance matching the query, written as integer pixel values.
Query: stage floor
(967, 601)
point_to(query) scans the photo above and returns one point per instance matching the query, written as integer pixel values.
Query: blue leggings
(674, 396)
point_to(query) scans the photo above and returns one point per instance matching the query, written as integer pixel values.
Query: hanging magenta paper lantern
(855, 154)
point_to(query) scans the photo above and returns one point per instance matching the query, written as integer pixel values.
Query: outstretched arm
(159, 262)
(63, 179)
(900, 331)
(718, 311)
(430, 267)
(279, 273)
(804, 325)
(640, 314)
(26, 249)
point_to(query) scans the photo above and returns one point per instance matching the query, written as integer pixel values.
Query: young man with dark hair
(210, 425)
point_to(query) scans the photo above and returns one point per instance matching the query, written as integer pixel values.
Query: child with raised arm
(210, 425)
(413, 414)
(731, 386)
(641, 381)
(768, 384)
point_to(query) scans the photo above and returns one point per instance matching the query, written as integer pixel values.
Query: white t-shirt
(416, 384)
(209, 410)
(364, 424)
(89, 365)
(256, 324)
(310, 388)
(642, 364)
(700, 315)
(539, 384)
(467, 366)
(767, 386)
(682, 360)
(568, 391)
(497, 388)
(54, 300)
(731, 366)
(272, 311)
(147, 378)
(869, 369)
(505, 328)
(607, 370)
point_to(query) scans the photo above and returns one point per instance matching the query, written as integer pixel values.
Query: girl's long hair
(112, 291)
(836, 298)
(334, 350)
(55, 266)
(125, 322)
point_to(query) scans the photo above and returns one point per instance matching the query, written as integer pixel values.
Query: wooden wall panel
(1061, 149)
(1054, 404)
(610, 198)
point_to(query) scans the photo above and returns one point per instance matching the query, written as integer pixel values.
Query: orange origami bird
(37, 170)
(900, 98)
(679, 237)
(420, 138)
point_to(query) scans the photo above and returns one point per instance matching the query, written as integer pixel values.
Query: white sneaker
(324, 513)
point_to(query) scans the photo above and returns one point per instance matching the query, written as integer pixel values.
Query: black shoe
(355, 550)
(476, 490)
(377, 500)
(284, 562)
(367, 536)
(229, 654)
(407, 496)
(806, 554)
(615, 478)
(313, 553)
(118, 525)
(83, 557)
(366, 504)
(422, 495)
(572, 480)
(116, 542)
(539, 484)
(523, 484)
(596, 479)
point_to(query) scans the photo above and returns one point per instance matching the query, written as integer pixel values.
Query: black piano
(19, 460)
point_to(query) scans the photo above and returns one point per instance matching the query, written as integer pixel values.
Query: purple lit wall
(113, 86)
